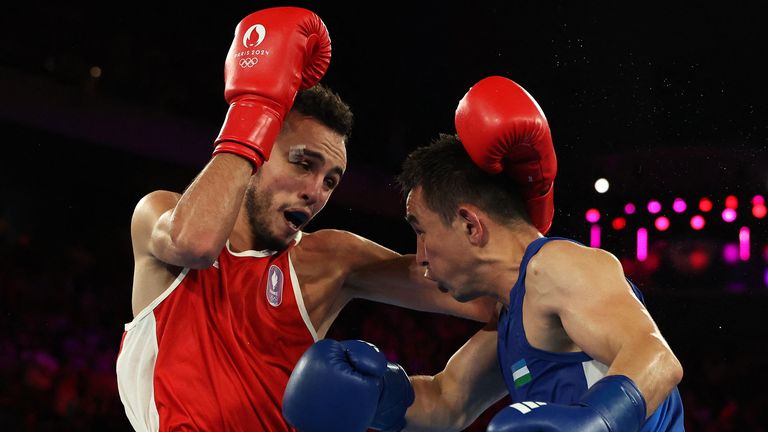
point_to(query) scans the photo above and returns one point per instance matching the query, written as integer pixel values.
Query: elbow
(196, 251)
(670, 371)
(675, 371)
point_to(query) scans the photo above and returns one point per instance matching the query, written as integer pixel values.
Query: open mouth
(296, 218)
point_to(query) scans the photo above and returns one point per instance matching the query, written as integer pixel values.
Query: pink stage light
(698, 222)
(731, 202)
(661, 223)
(594, 236)
(654, 206)
(593, 215)
(619, 223)
(629, 208)
(729, 215)
(744, 243)
(730, 253)
(758, 200)
(679, 205)
(705, 205)
(642, 244)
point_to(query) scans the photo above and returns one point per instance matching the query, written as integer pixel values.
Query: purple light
(629, 209)
(765, 277)
(654, 206)
(729, 215)
(679, 205)
(593, 215)
(730, 253)
(735, 287)
(697, 222)
(744, 244)
(594, 236)
(642, 244)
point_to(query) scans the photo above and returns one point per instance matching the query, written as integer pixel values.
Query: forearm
(652, 366)
(400, 281)
(198, 226)
(430, 411)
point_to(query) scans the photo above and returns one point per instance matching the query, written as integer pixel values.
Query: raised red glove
(504, 130)
(275, 52)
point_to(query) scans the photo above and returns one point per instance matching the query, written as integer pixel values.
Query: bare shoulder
(149, 208)
(563, 263)
(155, 202)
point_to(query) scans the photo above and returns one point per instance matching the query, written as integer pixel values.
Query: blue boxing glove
(613, 404)
(346, 386)
(396, 396)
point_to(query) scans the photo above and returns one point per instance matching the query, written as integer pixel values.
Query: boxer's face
(440, 248)
(305, 166)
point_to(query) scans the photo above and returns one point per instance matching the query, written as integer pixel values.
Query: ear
(473, 225)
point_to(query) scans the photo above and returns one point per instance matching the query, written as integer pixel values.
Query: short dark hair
(449, 177)
(323, 104)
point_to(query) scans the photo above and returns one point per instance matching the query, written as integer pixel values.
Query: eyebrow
(319, 156)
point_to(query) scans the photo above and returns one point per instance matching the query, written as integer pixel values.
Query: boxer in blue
(573, 344)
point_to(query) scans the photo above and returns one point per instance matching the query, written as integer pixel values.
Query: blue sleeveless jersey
(535, 375)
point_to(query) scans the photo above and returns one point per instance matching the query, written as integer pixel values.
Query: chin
(273, 242)
(464, 297)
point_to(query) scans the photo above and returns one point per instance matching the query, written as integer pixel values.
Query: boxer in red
(228, 291)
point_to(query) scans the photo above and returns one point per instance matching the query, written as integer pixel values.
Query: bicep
(597, 307)
(613, 326)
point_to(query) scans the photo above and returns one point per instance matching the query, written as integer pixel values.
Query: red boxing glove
(504, 130)
(275, 52)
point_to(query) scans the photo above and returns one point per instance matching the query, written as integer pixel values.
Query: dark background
(665, 100)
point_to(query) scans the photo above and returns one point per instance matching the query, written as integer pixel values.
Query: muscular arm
(470, 383)
(382, 275)
(600, 313)
(191, 229)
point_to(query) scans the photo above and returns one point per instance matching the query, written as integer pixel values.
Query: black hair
(323, 104)
(449, 177)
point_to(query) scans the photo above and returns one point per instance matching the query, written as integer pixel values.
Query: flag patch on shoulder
(520, 373)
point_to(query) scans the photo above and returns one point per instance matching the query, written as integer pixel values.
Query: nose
(313, 190)
(421, 256)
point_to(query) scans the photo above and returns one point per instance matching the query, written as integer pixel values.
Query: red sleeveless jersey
(214, 352)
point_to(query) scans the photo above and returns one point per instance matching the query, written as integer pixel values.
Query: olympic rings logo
(248, 62)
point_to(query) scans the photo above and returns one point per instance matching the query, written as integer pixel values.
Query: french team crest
(275, 286)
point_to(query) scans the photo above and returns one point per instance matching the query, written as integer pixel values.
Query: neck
(499, 265)
(241, 238)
